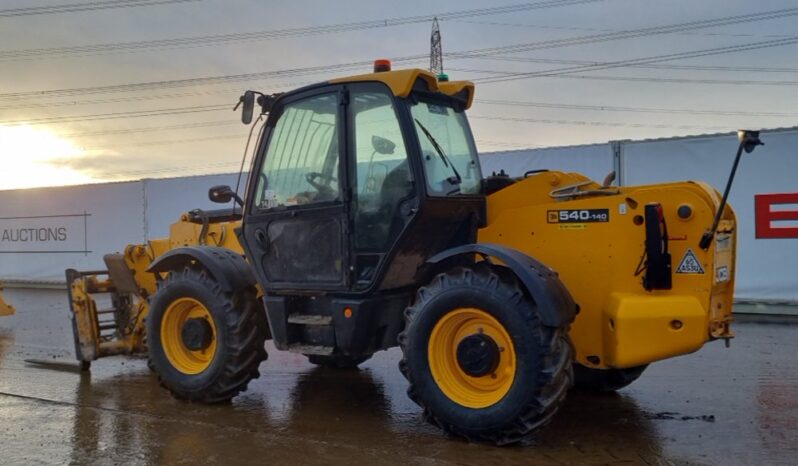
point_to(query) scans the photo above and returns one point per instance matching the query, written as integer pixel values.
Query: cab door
(296, 230)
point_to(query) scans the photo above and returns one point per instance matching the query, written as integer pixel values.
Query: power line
(209, 40)
(78, 7)
(735, 82)
(633, 33)
(169, 142)
(550, 121)
(209, 80)
(574, 28)
(116, 115)
(669, 66)
(168, 84)
(612, 108)
(182, 170)
(645, 60)
(147, 129)
(147, 97)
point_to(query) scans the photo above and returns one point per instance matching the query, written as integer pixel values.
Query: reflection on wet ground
(717, 406)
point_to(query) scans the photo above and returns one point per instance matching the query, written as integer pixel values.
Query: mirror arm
(748, 142)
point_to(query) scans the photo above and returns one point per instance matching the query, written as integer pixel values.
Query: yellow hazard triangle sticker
(689, 263)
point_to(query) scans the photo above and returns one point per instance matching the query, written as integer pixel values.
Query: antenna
(436, 51)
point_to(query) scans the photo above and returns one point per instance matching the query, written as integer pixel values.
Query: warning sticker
(722, 274)
(690, 264)
(723, 242)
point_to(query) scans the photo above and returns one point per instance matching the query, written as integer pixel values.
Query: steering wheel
(325, 191)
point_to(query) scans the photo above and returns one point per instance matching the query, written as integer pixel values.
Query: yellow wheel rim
(181, 357)
(453, 381)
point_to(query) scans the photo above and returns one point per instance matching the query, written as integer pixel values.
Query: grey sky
(218, 146)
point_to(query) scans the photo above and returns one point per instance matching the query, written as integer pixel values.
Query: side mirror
(382, 146)
(248, 101)
(749, 139)
(223, 194)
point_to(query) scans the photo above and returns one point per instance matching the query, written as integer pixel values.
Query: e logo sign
(769, 210)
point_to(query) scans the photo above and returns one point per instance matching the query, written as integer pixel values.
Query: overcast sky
(197, 131)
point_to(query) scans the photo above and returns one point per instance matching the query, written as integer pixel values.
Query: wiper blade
(448, 163)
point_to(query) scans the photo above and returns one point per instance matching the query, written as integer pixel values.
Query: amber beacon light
(382, 64)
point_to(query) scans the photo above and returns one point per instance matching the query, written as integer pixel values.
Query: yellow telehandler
(367, 224)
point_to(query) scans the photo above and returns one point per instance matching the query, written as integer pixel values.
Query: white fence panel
(594, 161)
(45, 231)
(166, 199)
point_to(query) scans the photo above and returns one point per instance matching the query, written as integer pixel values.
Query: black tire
(605, 380)
(544, 358)
(337, 361)
(239, 338)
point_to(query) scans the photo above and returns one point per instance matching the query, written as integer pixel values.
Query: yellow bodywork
(401, 83)
(620, 324)
(5, 308)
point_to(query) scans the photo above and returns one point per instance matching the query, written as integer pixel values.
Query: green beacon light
(443, 77)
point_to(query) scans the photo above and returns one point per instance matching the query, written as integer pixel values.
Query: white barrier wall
(594, 160)
(765, 265)
(44, 231)
(166, 199)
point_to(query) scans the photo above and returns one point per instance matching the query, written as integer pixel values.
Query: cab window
(301, 165)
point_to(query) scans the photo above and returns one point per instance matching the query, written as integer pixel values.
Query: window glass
(301, 165)
(383, 176)
(449, 156)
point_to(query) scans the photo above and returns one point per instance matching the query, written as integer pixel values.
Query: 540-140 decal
(578, 216)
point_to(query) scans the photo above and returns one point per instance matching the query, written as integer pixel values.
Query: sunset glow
(28, 155)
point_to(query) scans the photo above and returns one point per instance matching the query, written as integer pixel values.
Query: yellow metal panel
(639, 329)
(401, 82)
(455, 87)
(596, 259)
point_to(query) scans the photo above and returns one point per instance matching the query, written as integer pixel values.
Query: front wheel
(478, 359)
(205, 344)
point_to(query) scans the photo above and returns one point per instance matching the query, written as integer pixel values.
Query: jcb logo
(553, 217)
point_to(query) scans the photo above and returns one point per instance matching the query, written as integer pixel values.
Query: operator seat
(396, 188)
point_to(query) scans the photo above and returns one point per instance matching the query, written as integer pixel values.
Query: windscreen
(449, 155)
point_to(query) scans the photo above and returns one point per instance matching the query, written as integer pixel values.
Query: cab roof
(402, 83)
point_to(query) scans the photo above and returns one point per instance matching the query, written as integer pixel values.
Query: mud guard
(555, 304)
(228, 268)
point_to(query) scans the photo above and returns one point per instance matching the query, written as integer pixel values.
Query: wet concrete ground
(718, 406)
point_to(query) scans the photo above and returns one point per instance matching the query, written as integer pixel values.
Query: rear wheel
(605, 380)
(478, 359)
(205, 344)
